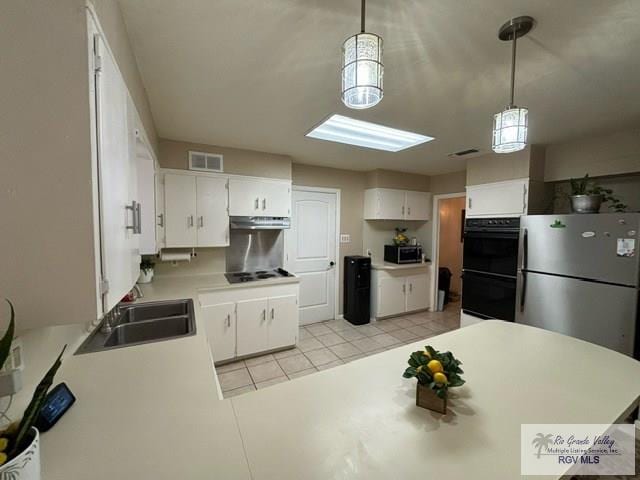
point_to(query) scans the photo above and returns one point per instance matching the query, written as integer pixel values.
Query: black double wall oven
(489, 267)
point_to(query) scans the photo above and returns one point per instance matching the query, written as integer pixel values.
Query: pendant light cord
(362, 11)
(513, 65)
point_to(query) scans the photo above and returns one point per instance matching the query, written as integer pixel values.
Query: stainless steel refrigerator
(579, 275)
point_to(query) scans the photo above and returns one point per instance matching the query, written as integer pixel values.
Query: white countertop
(398, 266)
(152, 411)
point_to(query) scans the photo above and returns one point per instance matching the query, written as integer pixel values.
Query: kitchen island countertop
(153, 412)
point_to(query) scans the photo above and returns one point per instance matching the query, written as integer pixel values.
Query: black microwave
(403, 254)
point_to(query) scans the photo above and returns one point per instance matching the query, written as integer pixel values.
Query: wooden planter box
(427, 398)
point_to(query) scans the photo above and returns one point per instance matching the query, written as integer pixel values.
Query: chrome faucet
(138, 291)
(110, 319)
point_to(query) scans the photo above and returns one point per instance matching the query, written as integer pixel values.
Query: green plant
(16, 436)
(588, 186)
(429, 364)
(146, 264)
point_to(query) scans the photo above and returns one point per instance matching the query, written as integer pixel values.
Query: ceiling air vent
(462, 153)
(205, 162)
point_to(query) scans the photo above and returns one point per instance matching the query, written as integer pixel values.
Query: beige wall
(449, 183)
(450, 247)
(494, 167)
(47, 243)
(175, 154)
(612, 154)
(399, 180)
(626, 188)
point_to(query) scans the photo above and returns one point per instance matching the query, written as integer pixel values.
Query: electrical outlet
(345, 238)
(369, 253)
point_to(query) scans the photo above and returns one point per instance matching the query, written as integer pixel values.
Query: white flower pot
(25, 466)
(145, 277)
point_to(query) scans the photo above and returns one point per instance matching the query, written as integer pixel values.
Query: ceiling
(259, 74)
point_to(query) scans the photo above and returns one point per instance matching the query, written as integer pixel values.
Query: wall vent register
(205, 162)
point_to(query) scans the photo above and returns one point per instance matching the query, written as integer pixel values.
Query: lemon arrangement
(436, 373)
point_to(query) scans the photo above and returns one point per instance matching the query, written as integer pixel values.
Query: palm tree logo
(542, 441)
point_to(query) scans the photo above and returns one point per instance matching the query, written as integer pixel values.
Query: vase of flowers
(20, 441)
(436, 372)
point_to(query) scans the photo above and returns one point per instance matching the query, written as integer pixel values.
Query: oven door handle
(525, 248)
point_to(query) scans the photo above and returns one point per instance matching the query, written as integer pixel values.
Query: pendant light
(362, 68)
(510, 125)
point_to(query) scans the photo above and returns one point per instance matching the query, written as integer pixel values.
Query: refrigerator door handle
(523, 291)
(525, 249)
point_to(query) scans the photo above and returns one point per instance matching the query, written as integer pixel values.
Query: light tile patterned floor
(334, 342)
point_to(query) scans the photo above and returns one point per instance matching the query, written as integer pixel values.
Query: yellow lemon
(4, 442)
(435, 366)
(440, 378)
(3, 458)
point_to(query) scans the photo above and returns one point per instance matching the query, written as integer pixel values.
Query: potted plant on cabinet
(436, 373)
(587, 196)
(20, 441)
(146, 270)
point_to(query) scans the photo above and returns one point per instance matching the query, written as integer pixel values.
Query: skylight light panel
(350, 131)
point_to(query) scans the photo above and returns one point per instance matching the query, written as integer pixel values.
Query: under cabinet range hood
(259, 223)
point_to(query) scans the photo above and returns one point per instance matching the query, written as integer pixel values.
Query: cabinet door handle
(134, 216)
(403, 210)
(139, 218)
(404, 288)
(201, 221)
(161, 220)
(264, 315)
(272, 314)
(257, 204)
(264, 203)
(410, 287)
(470, 203)
(190, 220)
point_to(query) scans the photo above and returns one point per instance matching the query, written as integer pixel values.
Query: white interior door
(311, 252)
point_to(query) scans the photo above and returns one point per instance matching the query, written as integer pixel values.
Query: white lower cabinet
(251, 329)
(220, 324)
(243, 322)
(282, 324)
(394, 292)
(417, 287)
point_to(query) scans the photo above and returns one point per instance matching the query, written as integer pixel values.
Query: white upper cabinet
(418, 206)
(195, 213)
(212, 204)
(118, 188)
(146, 174)
(390, 204)
(507, 199)
(180, 210)
(250, 197)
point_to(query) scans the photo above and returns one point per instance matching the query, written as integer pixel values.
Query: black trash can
(444, 282)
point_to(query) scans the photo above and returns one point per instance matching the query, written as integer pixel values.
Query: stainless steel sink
(144, 323)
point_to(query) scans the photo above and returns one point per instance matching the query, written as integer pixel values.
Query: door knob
(331, 264)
